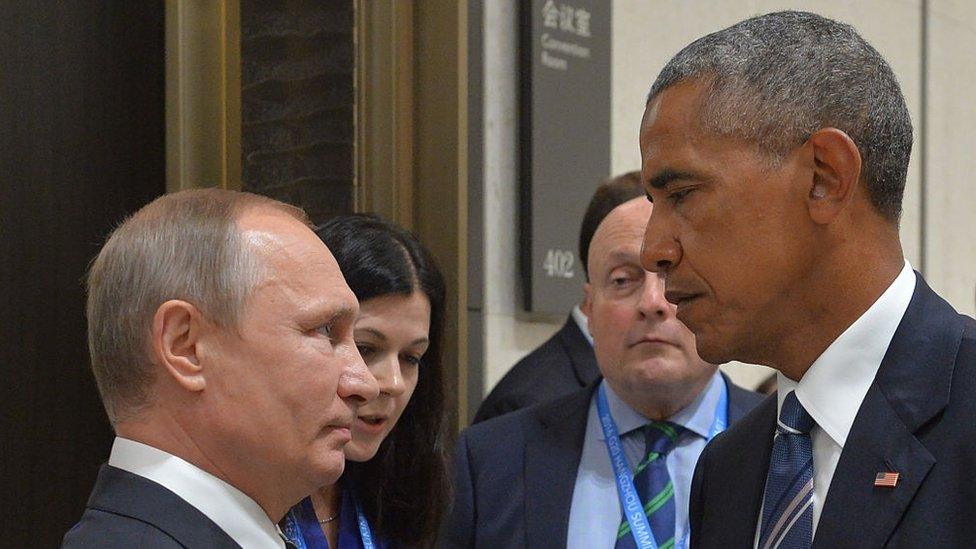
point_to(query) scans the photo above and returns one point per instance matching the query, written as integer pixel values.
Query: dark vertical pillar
(81, 146)
(297, 67)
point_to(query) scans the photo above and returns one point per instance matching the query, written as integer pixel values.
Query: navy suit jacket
(126, 510)
(515, 474)
(918, 419)
(563, 364)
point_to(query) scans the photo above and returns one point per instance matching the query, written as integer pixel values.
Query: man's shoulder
(503, 433)
(750, 427)
(126, 505)
(741, 400)
(546, 373)
(100, 528)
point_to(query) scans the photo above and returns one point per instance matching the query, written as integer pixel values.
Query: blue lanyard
(629, 500)
(365, 533)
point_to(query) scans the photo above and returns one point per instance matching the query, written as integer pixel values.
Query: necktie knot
(793, 417)
(660, 436)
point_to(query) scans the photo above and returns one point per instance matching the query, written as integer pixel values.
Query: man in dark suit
(543, 476)
(565, 362)
(776, 153)
(220, 331)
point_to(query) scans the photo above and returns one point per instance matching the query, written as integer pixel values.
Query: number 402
(559, 263)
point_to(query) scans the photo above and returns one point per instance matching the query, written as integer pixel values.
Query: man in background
(565, 362)
(220, 331)
(543, 476)
(776, 153)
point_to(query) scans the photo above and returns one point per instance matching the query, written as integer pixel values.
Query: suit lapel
(738, 497)
(123, 493)
(911, 387)
(551, 464)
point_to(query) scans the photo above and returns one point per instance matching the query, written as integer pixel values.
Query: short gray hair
(184, 245)
(776, 79)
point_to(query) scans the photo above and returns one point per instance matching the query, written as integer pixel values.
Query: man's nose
(356, 382)
(652, 301)
(659, 251)
(389, 375)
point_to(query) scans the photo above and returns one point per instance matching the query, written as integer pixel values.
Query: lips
(372, 419)
(652, 341)
(371, 423)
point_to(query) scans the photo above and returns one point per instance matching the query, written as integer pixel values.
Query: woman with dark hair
(394, 488)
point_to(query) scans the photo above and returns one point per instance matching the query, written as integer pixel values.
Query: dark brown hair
(404, 488)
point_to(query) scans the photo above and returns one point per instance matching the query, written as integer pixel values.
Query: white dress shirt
(233, 511)
(595, 512)
(582, 322)
(834, 387)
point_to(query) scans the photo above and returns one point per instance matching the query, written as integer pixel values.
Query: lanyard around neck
(633, 508)
(365, 533)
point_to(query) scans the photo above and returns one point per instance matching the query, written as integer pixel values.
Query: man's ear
(587, 304)
(836, 173)
(176, 329)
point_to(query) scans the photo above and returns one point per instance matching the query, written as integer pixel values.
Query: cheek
(410, 380)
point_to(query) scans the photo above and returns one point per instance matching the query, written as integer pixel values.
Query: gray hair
(776, 79)
(184, 245)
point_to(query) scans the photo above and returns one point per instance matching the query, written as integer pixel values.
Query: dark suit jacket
(515, 474)
(563, 364)
(126, 510)
(918, 419)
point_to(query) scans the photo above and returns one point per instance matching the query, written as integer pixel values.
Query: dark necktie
(787, 518)
(653, 484)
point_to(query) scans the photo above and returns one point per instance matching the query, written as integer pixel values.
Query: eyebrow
(381, 336)
(323, 313)
(376, 333)
(622, 256)
(666, 176)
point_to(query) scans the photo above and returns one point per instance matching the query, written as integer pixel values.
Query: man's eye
(365, 350)
(325, 330)
(678, 196)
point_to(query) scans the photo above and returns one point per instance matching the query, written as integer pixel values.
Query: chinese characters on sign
(572, 23)
(565, 140)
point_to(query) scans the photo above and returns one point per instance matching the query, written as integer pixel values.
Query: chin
(359, 452)
(713, 350)
(328, 470)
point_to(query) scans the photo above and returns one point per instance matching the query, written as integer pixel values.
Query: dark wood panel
(81, 146)
(297, 103)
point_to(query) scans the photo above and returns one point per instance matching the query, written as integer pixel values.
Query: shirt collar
(834, 386)
(697, 417)
(233, 511)
(582, 322)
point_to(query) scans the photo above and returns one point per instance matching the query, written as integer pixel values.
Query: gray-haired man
(776, 153)
(220, 330)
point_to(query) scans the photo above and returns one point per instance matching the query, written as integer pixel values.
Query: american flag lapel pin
(887, 479)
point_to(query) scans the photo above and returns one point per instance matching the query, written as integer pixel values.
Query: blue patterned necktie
(653, 484)
(787, 518)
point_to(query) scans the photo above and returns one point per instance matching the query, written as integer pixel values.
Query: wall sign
(564, 140)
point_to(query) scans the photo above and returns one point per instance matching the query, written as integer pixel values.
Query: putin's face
(286, 384)
(640, 345)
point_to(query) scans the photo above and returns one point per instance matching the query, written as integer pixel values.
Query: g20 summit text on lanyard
(633, 508)
(365, 533)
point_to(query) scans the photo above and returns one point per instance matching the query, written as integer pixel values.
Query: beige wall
(508, 336)
(647, 33)
(950, 230)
